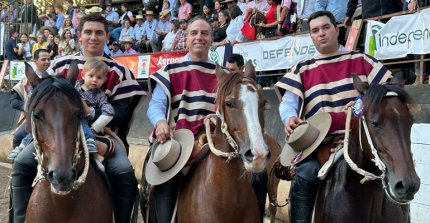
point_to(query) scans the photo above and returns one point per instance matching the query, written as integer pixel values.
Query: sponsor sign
(17, 70)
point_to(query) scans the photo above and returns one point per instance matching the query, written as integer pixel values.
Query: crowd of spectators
(163, 29)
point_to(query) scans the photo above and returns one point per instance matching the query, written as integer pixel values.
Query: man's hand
(293, 122)
(412, 6)
(347, 21)
(162, 131)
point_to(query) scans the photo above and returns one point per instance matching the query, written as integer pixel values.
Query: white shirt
(234, 28)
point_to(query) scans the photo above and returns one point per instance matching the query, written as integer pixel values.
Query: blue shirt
(163, 26)
(138, 32)
(59, 22)
(115, 54)
(149, 29)
(174, 6)
(112, 16)
(336, 7)
(10, 53)
(126, 33)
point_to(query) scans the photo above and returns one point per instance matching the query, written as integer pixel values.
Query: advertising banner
(17, 70)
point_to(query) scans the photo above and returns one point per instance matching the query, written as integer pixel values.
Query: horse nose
(62, 178)
(249, 156)
(407, 188)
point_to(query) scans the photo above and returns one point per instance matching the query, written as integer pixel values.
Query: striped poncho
(191, 90)
(325, 84)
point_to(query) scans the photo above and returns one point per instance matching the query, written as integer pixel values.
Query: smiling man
(321, 84)
(120, 87)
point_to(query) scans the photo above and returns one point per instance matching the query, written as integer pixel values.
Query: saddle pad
(334, 157)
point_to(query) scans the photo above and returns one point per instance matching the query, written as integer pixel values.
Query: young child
(93, 77)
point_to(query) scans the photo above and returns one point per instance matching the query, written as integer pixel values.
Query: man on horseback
(322, 83)
(122, 89)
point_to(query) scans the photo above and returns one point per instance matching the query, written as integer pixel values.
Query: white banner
(217, 55)
(277, 54)
(402, 35)
(17, 70)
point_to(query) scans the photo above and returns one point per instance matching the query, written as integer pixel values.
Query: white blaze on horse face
(250, 109)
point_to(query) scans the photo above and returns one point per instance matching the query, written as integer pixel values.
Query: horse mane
(375, 94)
(50, 86)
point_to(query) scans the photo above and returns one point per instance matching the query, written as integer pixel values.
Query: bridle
(42, 172)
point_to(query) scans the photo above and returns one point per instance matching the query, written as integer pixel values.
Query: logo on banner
(213, 55)
(372, 43)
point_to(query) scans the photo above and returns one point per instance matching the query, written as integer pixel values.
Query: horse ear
(359, 85)
(219, 71)
(72, 73)
(31, 75)
(398, 79)
(250, 71)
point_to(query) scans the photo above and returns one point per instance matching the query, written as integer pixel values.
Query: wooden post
(3, 71)
(354, 34)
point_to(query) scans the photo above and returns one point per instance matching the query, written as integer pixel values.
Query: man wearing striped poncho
(322, 83)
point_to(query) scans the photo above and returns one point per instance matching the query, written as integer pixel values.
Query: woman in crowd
(207, 13)
(24, 47)
(77, 14)
(52, 47)
(126, 15)
(217, 7)
(67, 24)
(40, 43)
(67, 44)
(271, 26)
(168, 40)
(219, 34)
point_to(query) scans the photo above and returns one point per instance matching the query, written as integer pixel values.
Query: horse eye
(374, 124)
(229, 104)
(37, 115)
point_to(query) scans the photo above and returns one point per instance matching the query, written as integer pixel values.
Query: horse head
(241, 105)
(387, 113)
(54, 113)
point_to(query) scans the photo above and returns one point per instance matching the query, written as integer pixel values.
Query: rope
(230, 155)
(81, 179)
(270, 190)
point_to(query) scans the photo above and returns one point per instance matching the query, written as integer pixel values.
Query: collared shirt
(336, 7)
(116, 53)
(130, 51)
(234, 28)
(126, 33)
(174, 6)
(185, 11)
(59, 22)
(181, 40)
(149, 29)
(163, 26)
(305, 8)
(168, 40)
(112, 16)
(139, 31)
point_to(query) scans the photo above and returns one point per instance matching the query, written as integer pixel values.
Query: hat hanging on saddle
(306, 137)
(168, 159)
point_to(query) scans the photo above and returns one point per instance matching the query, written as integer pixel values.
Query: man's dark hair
(320, 14)
(236, 58)
(95, 17)
(38, 51)
(125, 5)
(11, 32)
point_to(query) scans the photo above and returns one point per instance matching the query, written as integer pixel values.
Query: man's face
(183, 2)
(127, 24)
(93, 38)
(183, 25)
(233, 68)
(127, 46)
(149, 18)
(139, 21)
(15, 35)
(324, 35)
(108, 8)
(199, 37)
(217, 6)
(115, 47)
(46, 32)
(43, 62)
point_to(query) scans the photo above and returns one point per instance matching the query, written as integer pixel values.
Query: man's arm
(16, 101)
(288, 110)
(352, 5)
(157, 114)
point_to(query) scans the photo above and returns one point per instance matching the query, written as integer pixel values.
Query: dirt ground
(4, 191)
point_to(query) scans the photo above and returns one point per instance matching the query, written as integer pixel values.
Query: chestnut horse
(219, 189)
(67, 187)
(380, 148)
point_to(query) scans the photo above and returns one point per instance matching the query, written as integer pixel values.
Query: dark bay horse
(67, 187)
(342, 198)
(219, 189)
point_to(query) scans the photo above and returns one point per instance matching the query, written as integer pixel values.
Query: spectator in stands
(60, 16)
(219, 34)
(52, 47)
(116, 51)
(229, 3)
(233, 30)
(174, 7)
(256, 6)
(127, 31)
(217, 7)
(167, 44)
(242, 5)
(185, 10)
(67, 24)
(214, 24)
(9, 14)
(149, 32)
(370, 8)
(32, 39)
(28, 14)
(207, 13)
(128, 42)
(270, 27)
(40, 44)
(338, 9)
(11, 47)
(67, 44)
(204, 3)
(126, 15)
(112, 17)
(180, 41)
(24, 47)
(46, 30)
(235, 63)
(163, 27)
(304, 9)
(50, 17)
(139, 31)
(77, 14)
(69, 8)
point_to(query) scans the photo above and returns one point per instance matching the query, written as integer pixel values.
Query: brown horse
(386, 115)
(219, 189)
(67, 187)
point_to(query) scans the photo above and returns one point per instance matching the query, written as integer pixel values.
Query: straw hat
(226, 1)
(128, 40)
(32, 36)
(149, 12)
(305, 139)
(164, 12)
(139, 17)
(168, 159)
(51, 29)
(94, 9)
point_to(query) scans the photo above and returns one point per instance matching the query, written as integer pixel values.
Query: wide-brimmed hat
(149, 12)
(32, 36)
(115, 43)
(168, 159)
(139, 17)
(306, 137)
(164, 12)
(226, 1)
(128, 40)
(94, 9)
(182, 20)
